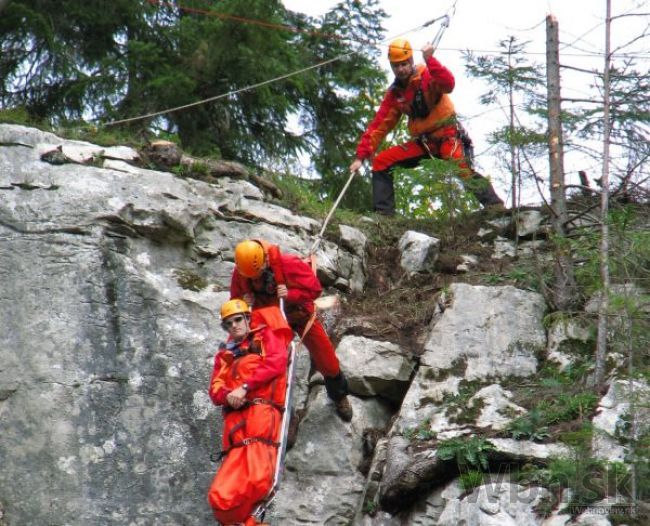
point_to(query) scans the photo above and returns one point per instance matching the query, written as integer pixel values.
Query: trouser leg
(406, 155)
(320, 349)
(452, 148)
(383, 192)
(323, 355)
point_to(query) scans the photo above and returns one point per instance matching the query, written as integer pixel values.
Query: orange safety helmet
(249, 258)
(400, 50)
(232, 307)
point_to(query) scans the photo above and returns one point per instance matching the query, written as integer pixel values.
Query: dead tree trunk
(601, 342)
(513, 150)
(564, 285)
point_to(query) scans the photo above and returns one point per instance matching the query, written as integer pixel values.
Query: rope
(276, 79)
(319, 237)
(224, 95)
(446, 19)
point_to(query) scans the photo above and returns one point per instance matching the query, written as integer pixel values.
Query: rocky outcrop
(111, 277)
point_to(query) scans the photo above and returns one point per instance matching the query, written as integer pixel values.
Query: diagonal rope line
(230, 93)
(265, 82)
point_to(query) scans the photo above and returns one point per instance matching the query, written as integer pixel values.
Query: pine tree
(70, 60)
(515, 83)
(341, 97)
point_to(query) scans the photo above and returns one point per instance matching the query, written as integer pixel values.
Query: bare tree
(601, 342)
(564, 285)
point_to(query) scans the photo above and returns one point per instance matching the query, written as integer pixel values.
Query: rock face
(105, 358)
(483, 333)
(111, 278)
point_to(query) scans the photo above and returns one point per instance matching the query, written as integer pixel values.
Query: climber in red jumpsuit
(263, 275)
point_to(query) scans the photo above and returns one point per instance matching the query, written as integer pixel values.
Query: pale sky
(478, 25)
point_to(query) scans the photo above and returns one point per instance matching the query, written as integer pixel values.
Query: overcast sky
(479, 25)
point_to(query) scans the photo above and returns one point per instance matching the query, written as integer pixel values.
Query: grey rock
(419, 252)
(375, 368)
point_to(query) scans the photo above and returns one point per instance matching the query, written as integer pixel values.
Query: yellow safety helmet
(232, 307)
(399, 50)
(249, 258)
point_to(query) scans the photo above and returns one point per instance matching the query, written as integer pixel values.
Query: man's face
(402, 70)
(237, 326)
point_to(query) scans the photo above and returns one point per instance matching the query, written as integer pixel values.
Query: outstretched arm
(439, 73)
(385, 120)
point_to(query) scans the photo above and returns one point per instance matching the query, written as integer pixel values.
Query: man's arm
(439, 73)
(302, 284)
(385, 120)
(217, 390)
(274, 363)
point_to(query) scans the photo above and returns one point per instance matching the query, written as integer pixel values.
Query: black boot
(484, 192)
(383, 192)
(337, 390)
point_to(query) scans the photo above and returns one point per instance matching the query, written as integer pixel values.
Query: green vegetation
(370, 507)
(433, 189)
(421, 432)
(470, 480)
(457, 406)
(467, 452)
(531, 426)
(189, 280)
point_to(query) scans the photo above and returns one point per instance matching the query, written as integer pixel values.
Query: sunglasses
(226, 324)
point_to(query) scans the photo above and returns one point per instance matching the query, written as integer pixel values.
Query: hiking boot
(344, 409)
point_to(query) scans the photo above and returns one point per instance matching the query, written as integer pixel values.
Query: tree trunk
(601, 342)
(564, 285)
(513, 153)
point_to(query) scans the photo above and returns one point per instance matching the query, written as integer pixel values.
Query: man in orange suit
(249, 381)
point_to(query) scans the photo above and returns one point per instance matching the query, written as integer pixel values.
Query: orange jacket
(251, 434)
(259, 360)
(434, 82)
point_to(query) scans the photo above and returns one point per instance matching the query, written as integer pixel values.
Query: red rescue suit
(303, 288)
(431, 117)
(251, 434)
(433, 126)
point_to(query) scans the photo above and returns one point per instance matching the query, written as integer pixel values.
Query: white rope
(319, 237)
(263, 83)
